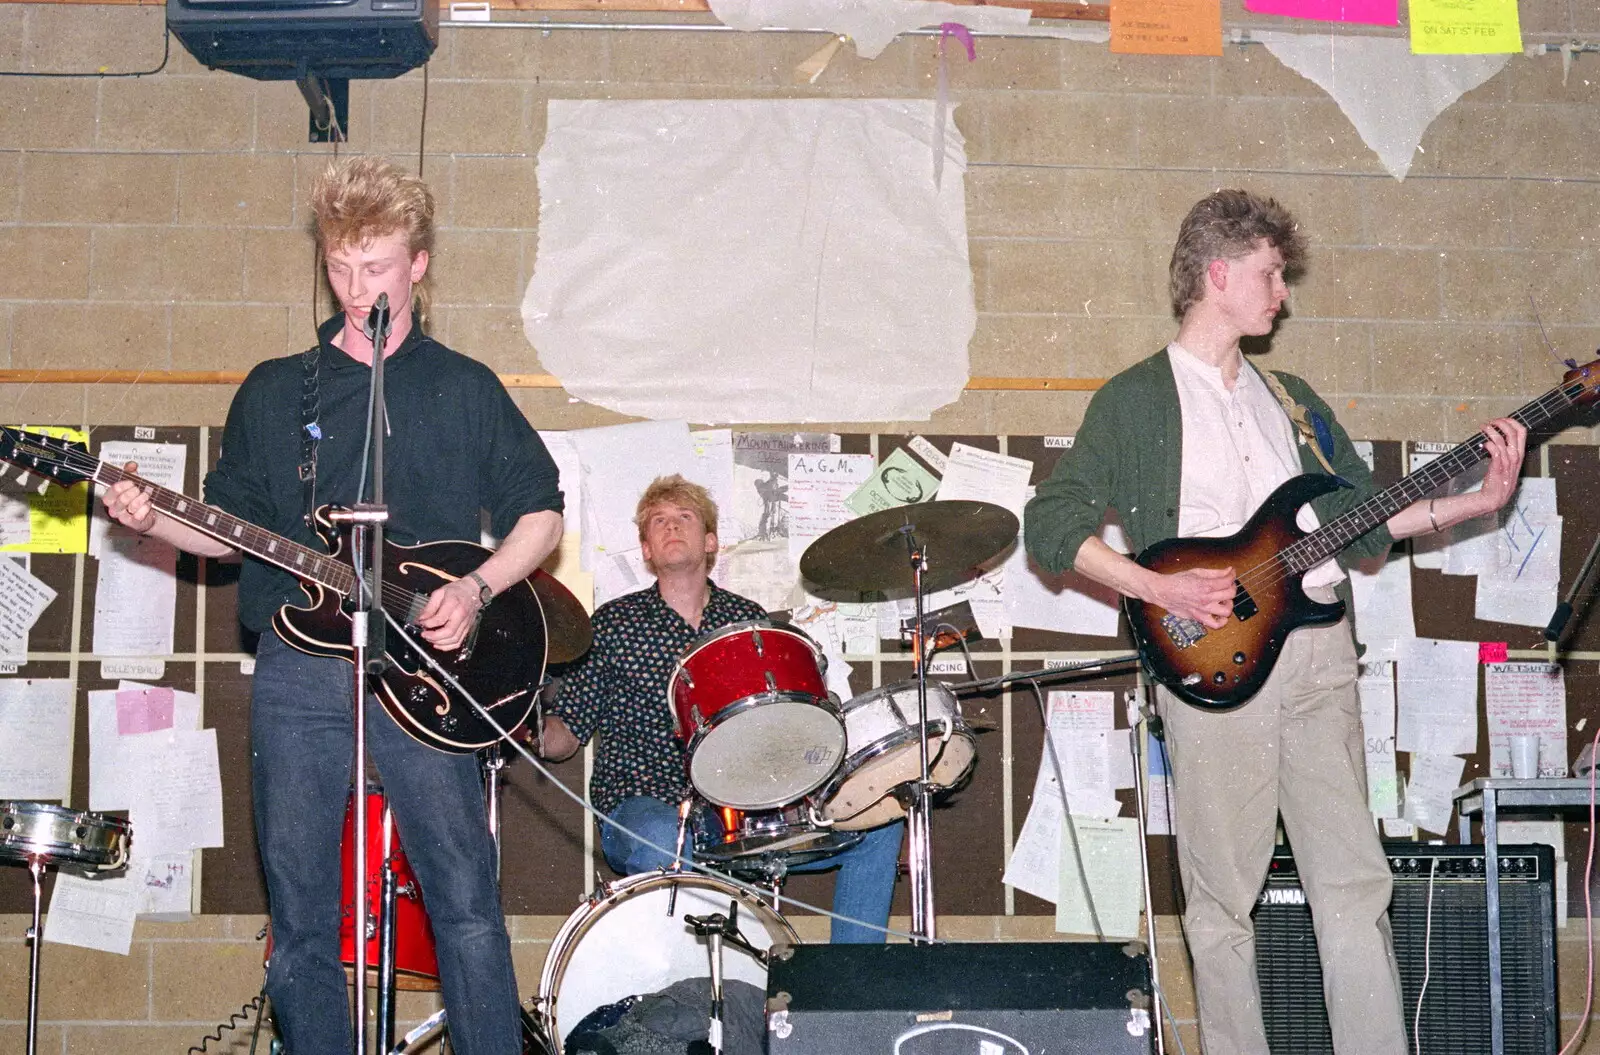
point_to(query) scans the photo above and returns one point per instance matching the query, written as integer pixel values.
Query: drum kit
(41, 834)
(782, 775)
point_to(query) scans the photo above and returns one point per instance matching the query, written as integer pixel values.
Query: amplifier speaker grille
(1455, 1013)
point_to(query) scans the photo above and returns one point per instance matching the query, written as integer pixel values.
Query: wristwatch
(485, 595)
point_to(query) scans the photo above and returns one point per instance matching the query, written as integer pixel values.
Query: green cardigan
(1129, 456)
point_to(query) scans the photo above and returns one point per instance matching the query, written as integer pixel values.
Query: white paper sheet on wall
(1526, 699)
(1390, 95)
(752, 260)
(23, 599)
(1381, 590)
(1434, 777)
(1376, 689)
(1438, 697)
(871, 24)
(36, 738)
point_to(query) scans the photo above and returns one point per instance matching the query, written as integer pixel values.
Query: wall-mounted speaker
(1065, 998)
(1455, 1008)
(288, 40)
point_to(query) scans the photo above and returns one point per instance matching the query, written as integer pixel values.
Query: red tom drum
(750, 704)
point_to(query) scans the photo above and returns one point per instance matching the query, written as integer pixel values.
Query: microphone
(377, 327)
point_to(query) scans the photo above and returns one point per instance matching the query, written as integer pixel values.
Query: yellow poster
(1166, 27)
(1465, 27)
(58, 520)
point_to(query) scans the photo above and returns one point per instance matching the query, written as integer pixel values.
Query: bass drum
(621, 943)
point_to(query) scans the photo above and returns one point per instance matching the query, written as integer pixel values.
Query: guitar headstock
(1587, 380)
(67, 462)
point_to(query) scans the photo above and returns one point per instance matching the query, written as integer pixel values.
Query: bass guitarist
(1189, 443)
(457, 445)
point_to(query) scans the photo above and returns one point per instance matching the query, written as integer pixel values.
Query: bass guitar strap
(310, 431)
(1313, 430)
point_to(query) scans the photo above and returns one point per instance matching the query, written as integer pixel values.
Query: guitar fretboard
(1338, 533)
(292, 557)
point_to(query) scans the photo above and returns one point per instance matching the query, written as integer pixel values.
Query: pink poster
(1369, 12)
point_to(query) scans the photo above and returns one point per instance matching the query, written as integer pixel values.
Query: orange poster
(1166, 27)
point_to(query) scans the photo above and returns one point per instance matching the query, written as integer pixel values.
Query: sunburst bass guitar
(501, 664)
(1219, 669)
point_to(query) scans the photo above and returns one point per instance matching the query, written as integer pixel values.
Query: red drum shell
(739, 662)
(416, 959)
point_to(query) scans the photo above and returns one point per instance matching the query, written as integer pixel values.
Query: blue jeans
(863, 889)
(302, 738)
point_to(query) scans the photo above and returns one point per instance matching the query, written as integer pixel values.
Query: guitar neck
(292, 557)
(1335, 535)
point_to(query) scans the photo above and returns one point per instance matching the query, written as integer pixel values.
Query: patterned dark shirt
(620, 692)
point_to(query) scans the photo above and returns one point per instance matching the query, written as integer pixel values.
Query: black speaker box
(1455, 1009)
(277, 40)
(1065, 998)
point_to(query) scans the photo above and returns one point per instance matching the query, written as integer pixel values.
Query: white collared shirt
(1238, 447)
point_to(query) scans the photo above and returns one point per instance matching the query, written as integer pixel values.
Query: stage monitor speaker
(1455, 1010)
(287, 40)
(1066, 998)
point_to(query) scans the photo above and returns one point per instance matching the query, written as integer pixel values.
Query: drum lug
(772, 683)
(755, 639)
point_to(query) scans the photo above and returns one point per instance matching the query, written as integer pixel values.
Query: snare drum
(882, 729)
(621, 943)
(771, 842)
(71, 840)
(751, 706)
(415, 959)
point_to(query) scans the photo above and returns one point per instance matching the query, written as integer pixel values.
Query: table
(1489, 795)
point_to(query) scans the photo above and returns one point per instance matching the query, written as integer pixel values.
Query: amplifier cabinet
(1455, 1011)
(1013, 998)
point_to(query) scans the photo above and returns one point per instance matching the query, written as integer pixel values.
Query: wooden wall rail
(234, 377)
(1054, 9)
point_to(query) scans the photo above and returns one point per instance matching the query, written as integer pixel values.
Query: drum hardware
(619, 943)
(40, 834)
(864, 555)
(717, 929)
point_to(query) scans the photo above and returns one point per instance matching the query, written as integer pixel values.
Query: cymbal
(566, 624)
(870, 553)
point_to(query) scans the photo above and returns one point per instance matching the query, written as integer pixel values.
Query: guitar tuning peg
(44, 485)
(22, 478)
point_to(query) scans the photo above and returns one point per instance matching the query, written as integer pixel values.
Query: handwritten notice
(1464, 27)
(36, 738)
(1438, 698)
(1366, 12)
(818, 487)
(1166, 27)
(1526, 699)
(23, 599)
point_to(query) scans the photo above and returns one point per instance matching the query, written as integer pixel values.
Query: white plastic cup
(1524, 756)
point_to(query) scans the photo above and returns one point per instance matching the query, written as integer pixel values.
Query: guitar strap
(1314, 432)
(310, 431)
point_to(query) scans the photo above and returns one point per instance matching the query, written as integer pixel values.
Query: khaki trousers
(1294, 749)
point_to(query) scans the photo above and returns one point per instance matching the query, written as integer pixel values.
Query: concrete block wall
(159, 223)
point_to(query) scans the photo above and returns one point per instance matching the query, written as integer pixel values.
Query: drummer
(619, 694)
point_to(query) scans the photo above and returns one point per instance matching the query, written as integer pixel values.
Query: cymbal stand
(919, 795)
(36, 867)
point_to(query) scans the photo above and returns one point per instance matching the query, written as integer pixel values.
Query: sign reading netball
(752, 260)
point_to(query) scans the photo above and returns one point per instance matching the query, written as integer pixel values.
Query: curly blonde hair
(679, 492)
(361, 198)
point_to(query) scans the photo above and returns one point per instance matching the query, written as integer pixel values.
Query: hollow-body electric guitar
(1218, 669)
(501, 664)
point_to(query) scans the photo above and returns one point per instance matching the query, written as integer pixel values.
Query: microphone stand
(367, 639)
(1558, 622)
(918, 797)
